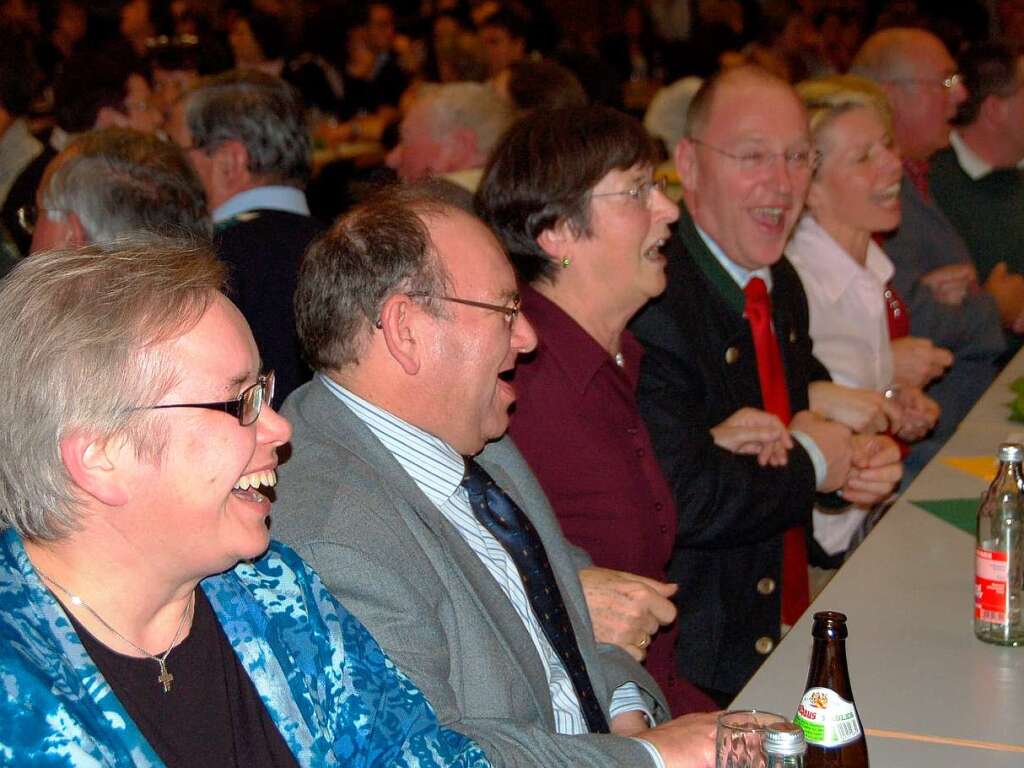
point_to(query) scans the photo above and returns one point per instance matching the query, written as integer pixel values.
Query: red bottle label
(991, 585)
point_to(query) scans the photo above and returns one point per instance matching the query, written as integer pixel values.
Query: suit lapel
(705, 261)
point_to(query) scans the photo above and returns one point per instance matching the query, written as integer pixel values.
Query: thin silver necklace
(165, 678)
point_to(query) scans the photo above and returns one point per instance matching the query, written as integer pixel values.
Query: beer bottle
(827, 713)
(784, 746)
(999, 554)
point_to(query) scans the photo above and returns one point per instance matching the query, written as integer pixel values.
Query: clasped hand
(626, 609)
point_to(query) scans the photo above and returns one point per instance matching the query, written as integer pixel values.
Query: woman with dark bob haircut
(571, 193)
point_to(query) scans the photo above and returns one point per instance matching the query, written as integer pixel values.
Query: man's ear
(398, 320)
(75, 231)
(231, 166)
(94, 465)
(465, 150)
(66, 232)
(814, 194)
(685, 158)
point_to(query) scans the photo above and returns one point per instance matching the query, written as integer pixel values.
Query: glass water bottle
(999, 554)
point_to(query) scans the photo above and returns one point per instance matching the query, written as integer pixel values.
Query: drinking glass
(738, 740)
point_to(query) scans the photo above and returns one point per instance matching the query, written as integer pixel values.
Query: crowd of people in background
(599, 343)
(360, 66)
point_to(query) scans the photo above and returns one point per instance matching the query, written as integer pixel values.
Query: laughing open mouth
(248, 485)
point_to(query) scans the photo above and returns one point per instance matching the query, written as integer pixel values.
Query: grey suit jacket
(394, 561)
(926, 240)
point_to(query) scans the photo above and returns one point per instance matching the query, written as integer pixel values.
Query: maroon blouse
(576, 422)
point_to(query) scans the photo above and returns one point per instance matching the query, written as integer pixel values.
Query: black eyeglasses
(246, 407)
(510, 313)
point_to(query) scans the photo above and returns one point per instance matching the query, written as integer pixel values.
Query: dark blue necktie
(513, 530)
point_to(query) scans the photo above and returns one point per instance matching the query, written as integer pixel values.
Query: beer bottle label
(827, 719)
(991, 582)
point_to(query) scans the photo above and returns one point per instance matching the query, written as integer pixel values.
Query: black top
(212, 715)
(263, 250)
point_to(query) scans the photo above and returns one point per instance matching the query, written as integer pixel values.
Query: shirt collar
(576, 351)
(968, 159)
(739, 274)
(833, 269)
(434, 466)
(270, 198)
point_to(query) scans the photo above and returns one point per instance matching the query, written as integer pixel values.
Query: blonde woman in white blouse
(854, 194)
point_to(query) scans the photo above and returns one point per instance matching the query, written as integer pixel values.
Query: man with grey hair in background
(114, 182)
(935, 273)
(449, 131)
(245, 134)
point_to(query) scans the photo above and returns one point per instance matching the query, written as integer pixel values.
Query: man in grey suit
(408, 309)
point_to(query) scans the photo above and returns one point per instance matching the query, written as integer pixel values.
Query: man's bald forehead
(892, 52)
(710, 94)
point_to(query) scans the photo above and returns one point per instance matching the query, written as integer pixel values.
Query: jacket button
(764, 645)
(792, 337)
(732, 354)
(766, 585)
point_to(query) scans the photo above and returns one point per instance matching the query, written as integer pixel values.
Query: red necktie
(899, 326)
(896, 313)
(917, 172)
(772, 376)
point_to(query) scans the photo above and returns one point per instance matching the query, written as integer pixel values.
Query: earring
(566, 261)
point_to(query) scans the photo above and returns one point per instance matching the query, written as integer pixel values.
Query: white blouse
(848, 313)
(850, 331)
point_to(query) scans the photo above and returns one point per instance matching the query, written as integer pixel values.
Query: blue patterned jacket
(336, 698)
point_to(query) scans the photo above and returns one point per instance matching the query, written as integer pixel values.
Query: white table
(915, 664)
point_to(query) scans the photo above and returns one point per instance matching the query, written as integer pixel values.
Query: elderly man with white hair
(449, 131)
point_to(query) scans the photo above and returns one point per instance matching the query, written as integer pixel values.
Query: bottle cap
(1011, 452)
(783, 740)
